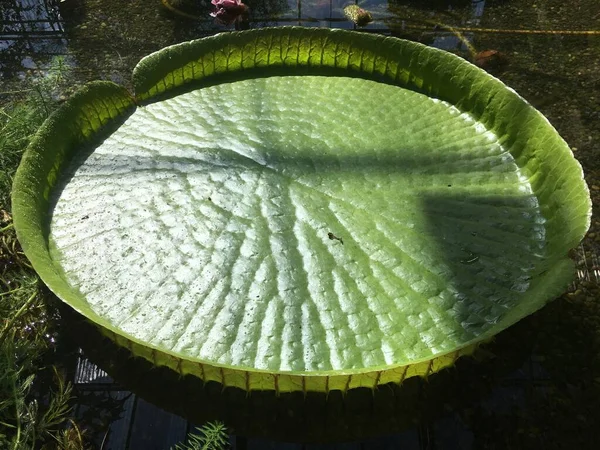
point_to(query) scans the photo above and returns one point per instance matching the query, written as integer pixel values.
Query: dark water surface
(537, 386)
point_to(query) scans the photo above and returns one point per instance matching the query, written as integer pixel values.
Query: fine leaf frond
(211, 436)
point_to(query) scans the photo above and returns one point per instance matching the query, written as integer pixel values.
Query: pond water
(547, 50)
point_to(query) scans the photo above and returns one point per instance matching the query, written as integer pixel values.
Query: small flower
(228, 11)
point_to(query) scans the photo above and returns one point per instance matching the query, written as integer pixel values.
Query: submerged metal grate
(31, 30)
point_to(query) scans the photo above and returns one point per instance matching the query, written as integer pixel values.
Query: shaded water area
(536, 386)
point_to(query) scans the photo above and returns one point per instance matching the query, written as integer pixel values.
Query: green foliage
(31, 414)
(211, 436)
(19, 120)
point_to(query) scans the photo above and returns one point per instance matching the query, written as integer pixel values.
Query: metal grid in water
(30, 29)
(132, 423)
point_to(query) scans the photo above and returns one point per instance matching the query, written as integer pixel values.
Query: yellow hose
(505, 31)
(174, 10)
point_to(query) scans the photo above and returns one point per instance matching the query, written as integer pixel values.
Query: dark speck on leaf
(333, 236)
(209, 199)
(470, 259)
(85, 217)
(449, 185)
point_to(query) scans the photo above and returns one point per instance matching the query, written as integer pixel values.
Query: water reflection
(31, 30)
(295, 417)
(35, 30)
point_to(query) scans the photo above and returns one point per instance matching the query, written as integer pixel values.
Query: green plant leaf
(211, 436)
(297, 209)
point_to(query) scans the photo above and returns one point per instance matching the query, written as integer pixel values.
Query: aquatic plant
(307, 243)
(35, 399)
(211, 436)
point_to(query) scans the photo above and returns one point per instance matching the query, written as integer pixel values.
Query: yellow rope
(465, 41)
(456, 32)
(567, 32)
(174, 10)
(504, 31)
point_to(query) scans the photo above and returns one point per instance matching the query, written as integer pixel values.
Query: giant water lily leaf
(296, 209)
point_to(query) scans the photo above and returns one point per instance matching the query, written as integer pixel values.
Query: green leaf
(211, 436)
(297, 209)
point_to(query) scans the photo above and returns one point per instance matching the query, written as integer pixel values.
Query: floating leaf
(301, 209)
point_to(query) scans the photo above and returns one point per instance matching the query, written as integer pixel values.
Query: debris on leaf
(361, 17)
(333, 236)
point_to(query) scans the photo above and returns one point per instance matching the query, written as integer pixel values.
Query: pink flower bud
(228, 11)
